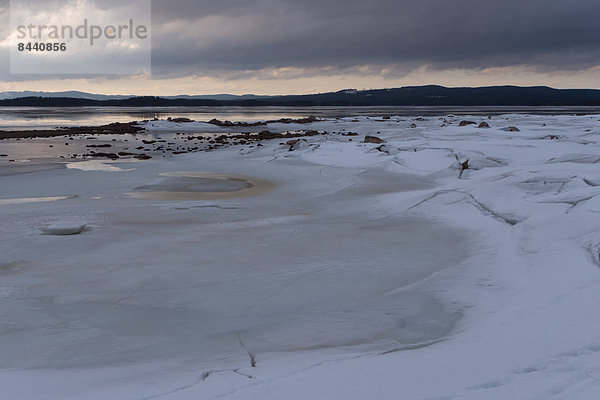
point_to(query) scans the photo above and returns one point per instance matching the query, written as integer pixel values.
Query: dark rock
(111, 156)
(467, 123)
(292, 143)
(217, 122)
(484, 125)
(373, 139)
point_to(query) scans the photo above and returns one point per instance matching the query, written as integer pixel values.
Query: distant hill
(406, 96)
(70, 94)
(91, 96)
(225, 97)
(443, 96)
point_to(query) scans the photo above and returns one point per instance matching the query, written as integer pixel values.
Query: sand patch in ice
(96, 165)
(5, 202)
(202, 186)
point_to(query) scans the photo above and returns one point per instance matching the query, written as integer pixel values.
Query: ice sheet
(452, 263)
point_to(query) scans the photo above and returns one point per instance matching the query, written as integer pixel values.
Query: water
(22, 118)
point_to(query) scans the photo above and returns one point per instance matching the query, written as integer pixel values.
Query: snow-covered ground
(341, 269)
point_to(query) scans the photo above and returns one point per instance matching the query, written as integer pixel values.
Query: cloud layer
(395, 35)
(263, 39)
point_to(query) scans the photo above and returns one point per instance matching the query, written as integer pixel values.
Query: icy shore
(448, 262)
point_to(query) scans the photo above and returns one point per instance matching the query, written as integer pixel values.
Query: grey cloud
(550, 35)
(237, 38)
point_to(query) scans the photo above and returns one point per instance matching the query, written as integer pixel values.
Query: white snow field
(339, 270)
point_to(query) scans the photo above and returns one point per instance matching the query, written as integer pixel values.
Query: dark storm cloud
(241, 37)
(250, 35)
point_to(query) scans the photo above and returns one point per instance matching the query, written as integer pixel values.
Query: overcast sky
(291, 46)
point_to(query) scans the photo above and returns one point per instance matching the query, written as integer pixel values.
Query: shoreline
(137, 140)
(115, 128)
(133, 127)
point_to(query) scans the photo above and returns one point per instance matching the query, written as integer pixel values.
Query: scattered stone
(373, 139)
(307, 120)
(467, 123)
(292, 143)
(180, 120)
(111, 156)
(110, 129)
(462, 167)
(484, 125)
(511, 129)
(413, 125)
(297, 144)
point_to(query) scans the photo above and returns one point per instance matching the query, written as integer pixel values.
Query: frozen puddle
(201, 186)
(200, 289)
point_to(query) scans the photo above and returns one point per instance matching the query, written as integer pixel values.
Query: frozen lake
(449, 261)
(14, 118)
